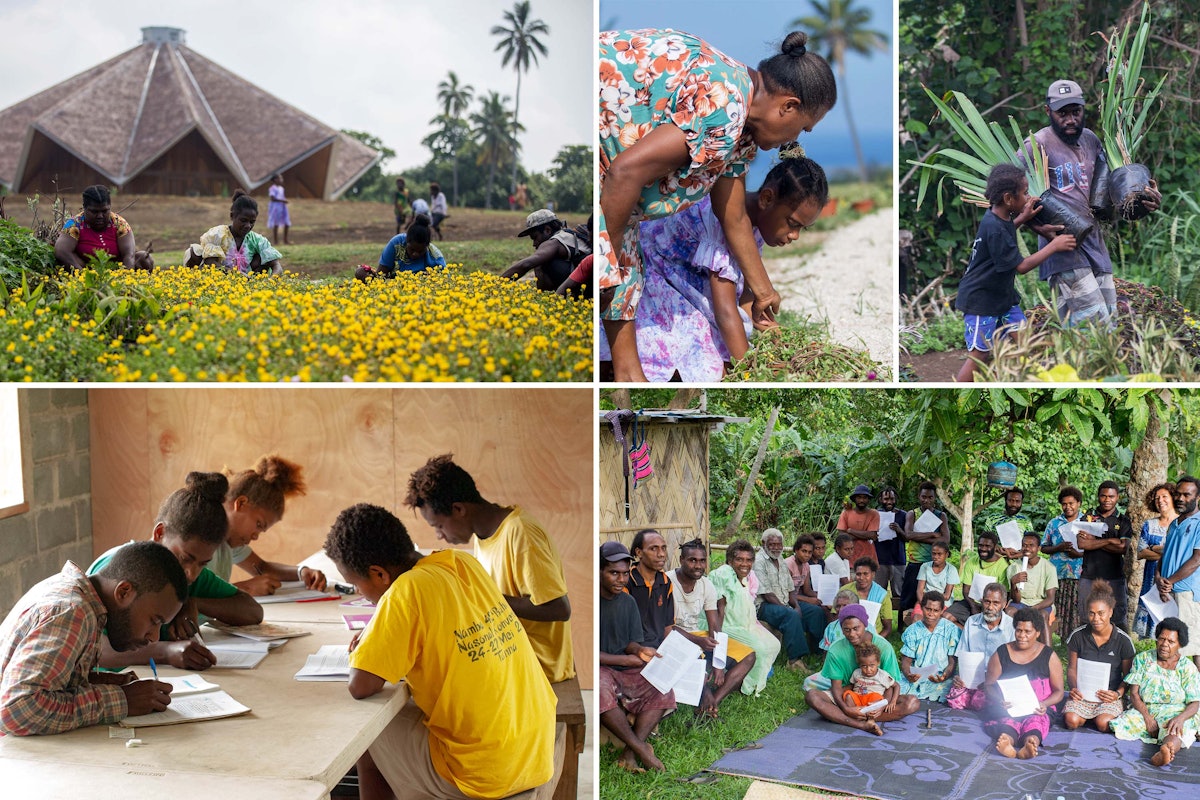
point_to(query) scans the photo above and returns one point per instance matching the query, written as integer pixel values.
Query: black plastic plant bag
(1056, 212)
(1127, 188)
(1101, 203)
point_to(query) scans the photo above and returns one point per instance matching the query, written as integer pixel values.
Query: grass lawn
(339, 259)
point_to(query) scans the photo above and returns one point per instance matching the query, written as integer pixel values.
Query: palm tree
(520, 45)
(496, 129)
(455, 99)
(841, 28)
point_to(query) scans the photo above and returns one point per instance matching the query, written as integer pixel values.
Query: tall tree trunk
(490, 182)
(516, 120)
(1148, 469)
(963, 512)
(845, 98)
(455, 163)
(736, 519)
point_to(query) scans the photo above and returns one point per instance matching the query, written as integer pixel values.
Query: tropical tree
(840, 28)
(495, 130)
(455, 98)
(373, 186)
(520, 43)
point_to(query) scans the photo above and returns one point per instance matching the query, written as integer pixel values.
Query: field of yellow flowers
(209, 325)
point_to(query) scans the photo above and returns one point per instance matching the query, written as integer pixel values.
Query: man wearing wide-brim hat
(861, 522)
(557, 250)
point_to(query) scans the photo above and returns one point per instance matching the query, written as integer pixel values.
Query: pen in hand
(154, 668)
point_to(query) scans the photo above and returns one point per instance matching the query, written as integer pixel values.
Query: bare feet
(1004, 746)
(629, 759)
(1164, 756)
(1030, 750)
(871, 726)
(797, 665)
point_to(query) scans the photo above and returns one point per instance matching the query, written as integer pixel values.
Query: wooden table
(297, 732)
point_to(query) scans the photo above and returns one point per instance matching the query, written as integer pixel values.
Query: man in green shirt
(1033, 582)
(984, 560)
(992, 518)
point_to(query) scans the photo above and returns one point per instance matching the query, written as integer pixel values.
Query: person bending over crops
(99, 230)
(654, 164)
(988, 295)
(1081, 278)
(557, 250)
(236, 247)
(408, 252)
(690, 324)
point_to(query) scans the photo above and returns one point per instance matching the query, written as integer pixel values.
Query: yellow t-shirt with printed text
(445, 628)
(523, 562)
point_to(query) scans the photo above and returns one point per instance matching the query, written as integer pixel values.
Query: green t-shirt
(972, 566)
(840, 662)
(1042, 577)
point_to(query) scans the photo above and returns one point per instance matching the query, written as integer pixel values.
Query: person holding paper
(1161, 501)
(869, 686)
(1034, 583)
(1024, 657)
(1102, 648)
(867, 589)
(840, 561)
(984, 560)
(840, 663)
(191, 523)
(990, 520)
(650, 587)
(777, 606)
(890, 545)
(920, 538)
(926, 657)
(982, 635)
(861, 523)
(513, 547)
(442, 627)
(819, 545)
(800, 568)
(736, 615)
(696, 619)
(50, 642)
(1177, 577)
(1066, 560)
(1164, 695)
(1104, 556)
(936, 575)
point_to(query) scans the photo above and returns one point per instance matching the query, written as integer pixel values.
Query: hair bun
(794, 44)
(211, 485)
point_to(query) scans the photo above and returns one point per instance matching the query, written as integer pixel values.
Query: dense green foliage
(975, 47)
(21, 252)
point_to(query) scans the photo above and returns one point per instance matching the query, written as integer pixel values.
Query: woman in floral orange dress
(679, 120)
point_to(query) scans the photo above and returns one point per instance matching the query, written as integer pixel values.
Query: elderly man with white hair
(776, 603)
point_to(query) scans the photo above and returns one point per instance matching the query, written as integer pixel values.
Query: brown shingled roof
(127, 122)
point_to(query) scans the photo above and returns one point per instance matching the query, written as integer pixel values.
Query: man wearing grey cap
(1081, 278)
(557, 250)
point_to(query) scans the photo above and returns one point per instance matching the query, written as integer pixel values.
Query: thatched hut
(162, 119)
(674, 500)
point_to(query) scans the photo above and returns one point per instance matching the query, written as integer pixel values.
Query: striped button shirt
(48, 645)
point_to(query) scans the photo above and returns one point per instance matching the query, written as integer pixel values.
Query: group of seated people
(862, 681)
(561, 261)
(65, 645)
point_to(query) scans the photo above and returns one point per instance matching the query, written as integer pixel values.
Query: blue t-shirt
(1183, 537)
(395, 258)
(988, 288)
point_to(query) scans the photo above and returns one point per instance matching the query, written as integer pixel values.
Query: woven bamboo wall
(675, 534)
(531, 447)
(677, 492)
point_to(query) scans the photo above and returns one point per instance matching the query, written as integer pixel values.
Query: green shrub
(21, 252)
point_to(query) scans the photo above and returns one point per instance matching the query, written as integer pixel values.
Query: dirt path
(935, 366)
(849, 282)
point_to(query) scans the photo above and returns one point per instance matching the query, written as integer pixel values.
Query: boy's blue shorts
(981, 330)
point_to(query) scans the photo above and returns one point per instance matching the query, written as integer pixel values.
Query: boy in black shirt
(987, 294)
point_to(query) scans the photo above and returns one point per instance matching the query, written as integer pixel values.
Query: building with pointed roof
(162, 119)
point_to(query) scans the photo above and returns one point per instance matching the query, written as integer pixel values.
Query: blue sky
(750, 31)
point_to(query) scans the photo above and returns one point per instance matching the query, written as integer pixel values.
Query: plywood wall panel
(531, 447)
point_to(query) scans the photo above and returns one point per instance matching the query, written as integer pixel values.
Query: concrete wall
(58, 525)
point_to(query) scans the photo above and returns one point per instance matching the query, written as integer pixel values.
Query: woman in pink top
(98, 230)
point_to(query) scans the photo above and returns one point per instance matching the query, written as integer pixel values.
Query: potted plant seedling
(989, 144)
(1124, 113)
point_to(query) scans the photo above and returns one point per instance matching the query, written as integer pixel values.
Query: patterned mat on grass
(954, 759)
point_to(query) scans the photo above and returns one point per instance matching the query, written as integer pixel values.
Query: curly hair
(196, 510)
(440, 484)
(866, 650)
(1151, 496)
(148, 567)
(1003, 179)
(365, 536)
(740, 546)
(272, 480)
(1173, 624)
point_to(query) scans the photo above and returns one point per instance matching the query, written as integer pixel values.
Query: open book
(330, 663)
(192, 699)
(294, 591)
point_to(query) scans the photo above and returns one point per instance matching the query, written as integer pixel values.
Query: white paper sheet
(690, 685)
(872, 611)
(815, 570)
(886, 518)
(721, 652)
(1024, 568)
(1018, 692)
(971, 669)
(1093, 677)
(878, 705)
(330, 663)
(927, 522)
(293, 591)
(183, 685)
(1010, 535)
(1157, 608)
(207, 705)
(676, 656)
(1071, 532)
(927, 671)
(827, 588)
(978, 583)
(237, 659)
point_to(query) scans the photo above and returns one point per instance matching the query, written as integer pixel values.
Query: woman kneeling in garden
(98, 230)
(236, 246)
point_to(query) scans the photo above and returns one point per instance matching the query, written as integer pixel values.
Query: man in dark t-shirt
(1104, 556)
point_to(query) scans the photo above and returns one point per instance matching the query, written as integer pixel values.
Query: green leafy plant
(122, 313)
(20, 253)
(1124, 110)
